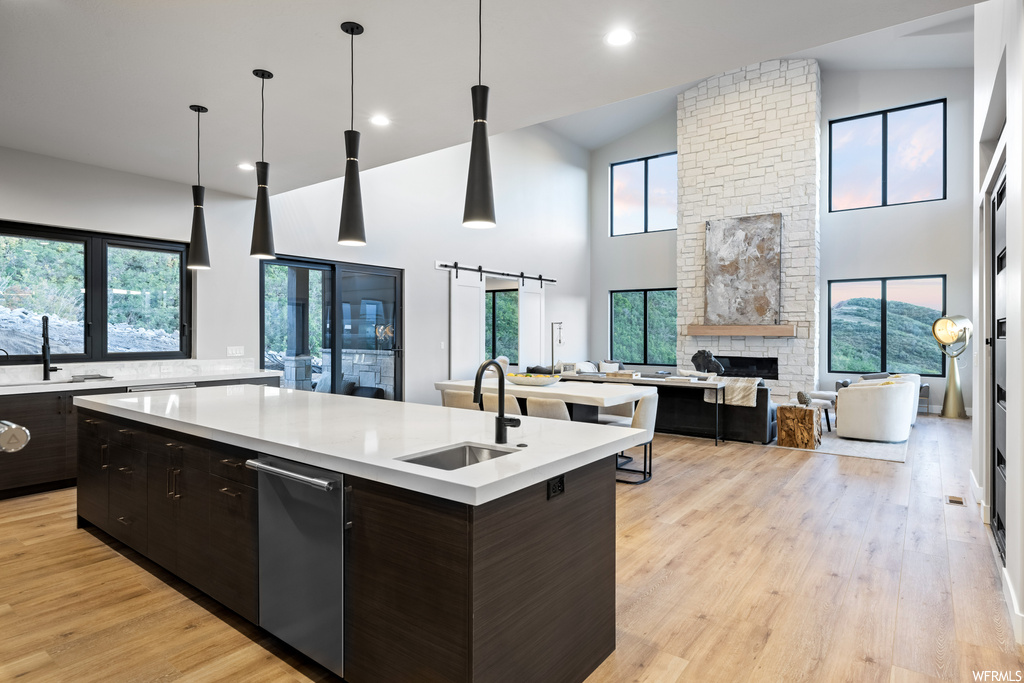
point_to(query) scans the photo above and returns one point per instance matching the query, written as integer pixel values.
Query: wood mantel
(740, 330)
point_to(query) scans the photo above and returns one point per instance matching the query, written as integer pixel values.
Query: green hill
(856, 337)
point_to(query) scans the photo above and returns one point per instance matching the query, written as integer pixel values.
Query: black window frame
(611, 323)
(490, 293)
(884, 113)
(95, 297)
(611, 194)
(884, 330)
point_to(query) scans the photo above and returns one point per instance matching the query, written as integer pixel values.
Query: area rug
(876, 450)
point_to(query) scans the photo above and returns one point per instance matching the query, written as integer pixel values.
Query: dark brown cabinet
(44, 458)
(159, 493)
(233, 547)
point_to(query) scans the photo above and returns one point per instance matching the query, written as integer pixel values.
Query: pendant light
(351, 231)
(479, 211)
(198, 248)
(262, 229)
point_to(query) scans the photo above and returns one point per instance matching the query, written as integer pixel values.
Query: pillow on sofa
(619, 365)
(586, 366)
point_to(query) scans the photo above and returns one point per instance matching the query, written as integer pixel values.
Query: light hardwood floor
(736, 563)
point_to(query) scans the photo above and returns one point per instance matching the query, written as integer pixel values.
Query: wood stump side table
(799, 426)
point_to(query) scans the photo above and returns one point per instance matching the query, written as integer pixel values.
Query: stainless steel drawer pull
(315, 482)
(124, 521)
(125, 470)
(232, 463)
(229, 492)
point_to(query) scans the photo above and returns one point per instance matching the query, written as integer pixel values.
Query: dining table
(584, 400)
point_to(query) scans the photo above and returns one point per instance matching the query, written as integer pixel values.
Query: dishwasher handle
(315, 482)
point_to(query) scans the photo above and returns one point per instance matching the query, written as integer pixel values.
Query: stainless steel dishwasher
(302, 558)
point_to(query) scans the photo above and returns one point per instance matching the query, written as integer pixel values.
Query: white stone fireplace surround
(748, 143)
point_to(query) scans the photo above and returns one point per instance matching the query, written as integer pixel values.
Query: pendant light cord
(263, 119)
(199, 179)
(480, 44)
(352, 81)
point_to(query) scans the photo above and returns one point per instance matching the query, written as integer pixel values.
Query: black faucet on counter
(46, 349)
(501, 423)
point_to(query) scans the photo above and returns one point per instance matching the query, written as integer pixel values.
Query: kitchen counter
(40, 386)
(369, 438)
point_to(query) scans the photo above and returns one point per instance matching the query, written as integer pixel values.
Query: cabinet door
(43, 460)
(233, 558)
(192, 486)
(128, 493)
(71, 422)
(162, 509)
(93, 472)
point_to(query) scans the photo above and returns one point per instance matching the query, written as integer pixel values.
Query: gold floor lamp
(950, 331)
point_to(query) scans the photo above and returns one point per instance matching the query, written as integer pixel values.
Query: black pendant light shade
(352, 232)
(479, 211)
(262, 228)
(198, 248)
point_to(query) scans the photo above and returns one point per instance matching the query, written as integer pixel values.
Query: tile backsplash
(127, 370)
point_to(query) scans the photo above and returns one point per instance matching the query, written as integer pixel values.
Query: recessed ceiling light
(246, 166)
(380, 120)
(619, 36)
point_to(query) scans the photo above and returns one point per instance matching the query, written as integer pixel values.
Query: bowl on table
(532, 379)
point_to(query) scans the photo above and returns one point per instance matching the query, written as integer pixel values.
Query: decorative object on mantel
(740, 330)
(198, 247)
(948, 332)
(743, 270)
(704, 361)
(479, 209)
(262, 246)
(351, 231)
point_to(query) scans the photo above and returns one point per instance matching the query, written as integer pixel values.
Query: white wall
(646, 261)
(929, 238)
(999, 36)
(48, 191)
(413, 214)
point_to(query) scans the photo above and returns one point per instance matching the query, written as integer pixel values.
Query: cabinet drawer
(128, 491)
(230, 465)
(233, 547)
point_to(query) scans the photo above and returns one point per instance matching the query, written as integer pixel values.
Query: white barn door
(531, 324)
(465, 325)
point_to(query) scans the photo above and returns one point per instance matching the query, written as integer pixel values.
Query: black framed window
(644, 195)
(107, 297)
(895, 156)
(501, 326)
(643, 326)
(885, 324)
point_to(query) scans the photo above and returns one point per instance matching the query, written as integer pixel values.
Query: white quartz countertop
(40, 386)
(370, 438)
(602, 395)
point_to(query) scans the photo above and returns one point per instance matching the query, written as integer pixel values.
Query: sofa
(879, 377)
(876, 411)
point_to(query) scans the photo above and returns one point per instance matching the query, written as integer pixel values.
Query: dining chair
(644, 418)
(621, 414)
(458, 399)
(511, 404)
(551, 408)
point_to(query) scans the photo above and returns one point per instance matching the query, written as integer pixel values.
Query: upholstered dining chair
(458, 399)
(623, 410)
(511, 404)
(551, 408)
(644, 418)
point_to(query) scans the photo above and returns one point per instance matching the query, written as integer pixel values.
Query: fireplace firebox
(743, 366)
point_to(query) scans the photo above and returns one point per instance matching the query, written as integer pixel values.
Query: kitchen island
(502, 570)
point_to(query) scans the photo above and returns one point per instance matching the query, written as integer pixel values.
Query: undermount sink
(459, 456)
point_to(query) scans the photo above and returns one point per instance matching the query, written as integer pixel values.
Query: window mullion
(645, 327)
(646, 182)
(885, 161)
(885, 335)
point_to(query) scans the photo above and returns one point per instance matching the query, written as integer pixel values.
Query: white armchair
(875, 411)
(910, 379)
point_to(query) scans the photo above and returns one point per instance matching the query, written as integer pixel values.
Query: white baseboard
(1010, 596)
(979, 496)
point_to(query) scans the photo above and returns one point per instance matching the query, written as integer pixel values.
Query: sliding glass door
(333, 327)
